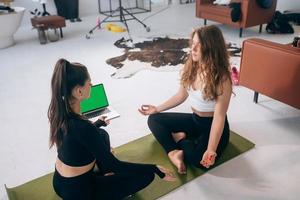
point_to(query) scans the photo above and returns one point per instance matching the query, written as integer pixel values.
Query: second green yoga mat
(142, 150)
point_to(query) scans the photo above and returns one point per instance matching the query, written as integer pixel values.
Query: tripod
(122, 19)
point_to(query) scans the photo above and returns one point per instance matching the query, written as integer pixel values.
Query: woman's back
(73, 151)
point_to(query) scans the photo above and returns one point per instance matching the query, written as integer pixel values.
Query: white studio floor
(269, 171)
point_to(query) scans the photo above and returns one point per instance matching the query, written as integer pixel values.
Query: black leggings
(196, 128)
(91, 185)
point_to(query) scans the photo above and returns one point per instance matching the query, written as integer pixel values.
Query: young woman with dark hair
(200, 136)
(82, 144)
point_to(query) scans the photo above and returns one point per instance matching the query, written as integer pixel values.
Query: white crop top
(197, 102)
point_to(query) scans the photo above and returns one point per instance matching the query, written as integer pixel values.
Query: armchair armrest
(271, 69)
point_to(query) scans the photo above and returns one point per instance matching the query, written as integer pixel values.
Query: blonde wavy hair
(213, 65)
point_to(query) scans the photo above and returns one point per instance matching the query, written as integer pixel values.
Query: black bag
(293, 17)
(296, 42)
(235, 11)
(265, 3)
(279, 24)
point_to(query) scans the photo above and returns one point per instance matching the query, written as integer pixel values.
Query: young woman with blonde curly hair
(199, 137)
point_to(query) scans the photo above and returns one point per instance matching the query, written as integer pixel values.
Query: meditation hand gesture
(208, 158)
(147, 109)
(169, 176)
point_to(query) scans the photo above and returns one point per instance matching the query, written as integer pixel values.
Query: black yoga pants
(196, 128)
(93, 186)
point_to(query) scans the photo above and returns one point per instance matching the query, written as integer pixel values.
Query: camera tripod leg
(123, 20)
(98, 25)
(145, 26)
(88, 35)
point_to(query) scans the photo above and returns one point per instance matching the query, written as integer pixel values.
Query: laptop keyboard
(97, 113)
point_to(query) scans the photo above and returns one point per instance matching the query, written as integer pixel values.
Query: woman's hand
(169, 176)
(208, 158)
(103, 118)
(147, 109)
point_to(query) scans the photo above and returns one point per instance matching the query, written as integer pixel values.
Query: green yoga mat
(142, 150)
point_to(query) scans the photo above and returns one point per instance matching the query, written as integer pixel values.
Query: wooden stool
(51, 21)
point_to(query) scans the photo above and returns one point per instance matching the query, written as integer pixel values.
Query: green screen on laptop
(97, 99)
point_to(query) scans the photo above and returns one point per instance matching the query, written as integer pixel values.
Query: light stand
(123, 11)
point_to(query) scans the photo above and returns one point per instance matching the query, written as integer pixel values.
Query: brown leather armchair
(251, 13)
(271, 69)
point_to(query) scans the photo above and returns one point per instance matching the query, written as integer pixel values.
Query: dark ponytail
(65, 77)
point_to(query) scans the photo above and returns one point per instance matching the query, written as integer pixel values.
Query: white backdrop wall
(288, 5)
(90, 7)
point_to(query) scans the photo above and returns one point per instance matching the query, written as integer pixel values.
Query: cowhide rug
(162, 54)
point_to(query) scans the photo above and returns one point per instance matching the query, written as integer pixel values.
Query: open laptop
(97, 105)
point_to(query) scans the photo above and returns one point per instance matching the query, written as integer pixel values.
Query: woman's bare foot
(176, 157)
(178, 136)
